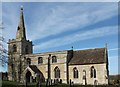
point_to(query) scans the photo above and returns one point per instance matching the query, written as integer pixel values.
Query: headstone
(46, 82)
(60, 81)
(38, 84)
(57, 81)
(70, 82)
(31, 79)
(51, 81)
(26, 84)
(54, 82)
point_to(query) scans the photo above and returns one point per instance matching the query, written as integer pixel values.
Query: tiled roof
(88, 56)
(34, 68)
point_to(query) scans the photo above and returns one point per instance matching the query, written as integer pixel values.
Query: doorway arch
(28, 76)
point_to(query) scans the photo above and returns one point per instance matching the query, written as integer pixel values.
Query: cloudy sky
(56, 26)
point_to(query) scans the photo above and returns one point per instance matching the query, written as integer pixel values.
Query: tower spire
(21, 27)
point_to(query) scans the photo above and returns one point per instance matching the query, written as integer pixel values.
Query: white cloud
(114, 49)
(66, 17)
(113, 64)
(54, 18)
(114, 57)
(100, 32)
(10, 21)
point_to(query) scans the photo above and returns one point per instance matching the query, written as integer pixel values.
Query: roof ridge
(89, 49)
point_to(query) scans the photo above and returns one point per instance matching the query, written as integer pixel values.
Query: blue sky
(54, 26)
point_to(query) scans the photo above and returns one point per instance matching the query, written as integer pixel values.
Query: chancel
(85, 67)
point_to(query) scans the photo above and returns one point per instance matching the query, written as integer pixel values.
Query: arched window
(40, 60)
(92, 72)
(28, 61)
(57, 72)
(26, 49)
(54, 59)
(14, 48)
(75, 72)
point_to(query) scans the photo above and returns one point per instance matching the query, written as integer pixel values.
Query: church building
(85, 67)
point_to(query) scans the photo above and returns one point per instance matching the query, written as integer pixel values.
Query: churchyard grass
(16, 84)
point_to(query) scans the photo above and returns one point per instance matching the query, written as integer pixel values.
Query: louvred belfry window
(40, 60)
(28, 61)
(14, 48)
(54, 59)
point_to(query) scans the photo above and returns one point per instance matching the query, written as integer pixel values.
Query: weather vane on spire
(72, 47)
(21, 7)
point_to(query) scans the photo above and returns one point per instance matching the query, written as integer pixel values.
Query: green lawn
(16, 84)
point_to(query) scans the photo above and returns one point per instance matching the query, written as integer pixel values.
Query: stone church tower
(16, 49)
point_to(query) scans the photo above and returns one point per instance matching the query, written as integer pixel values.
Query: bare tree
(3, 51)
